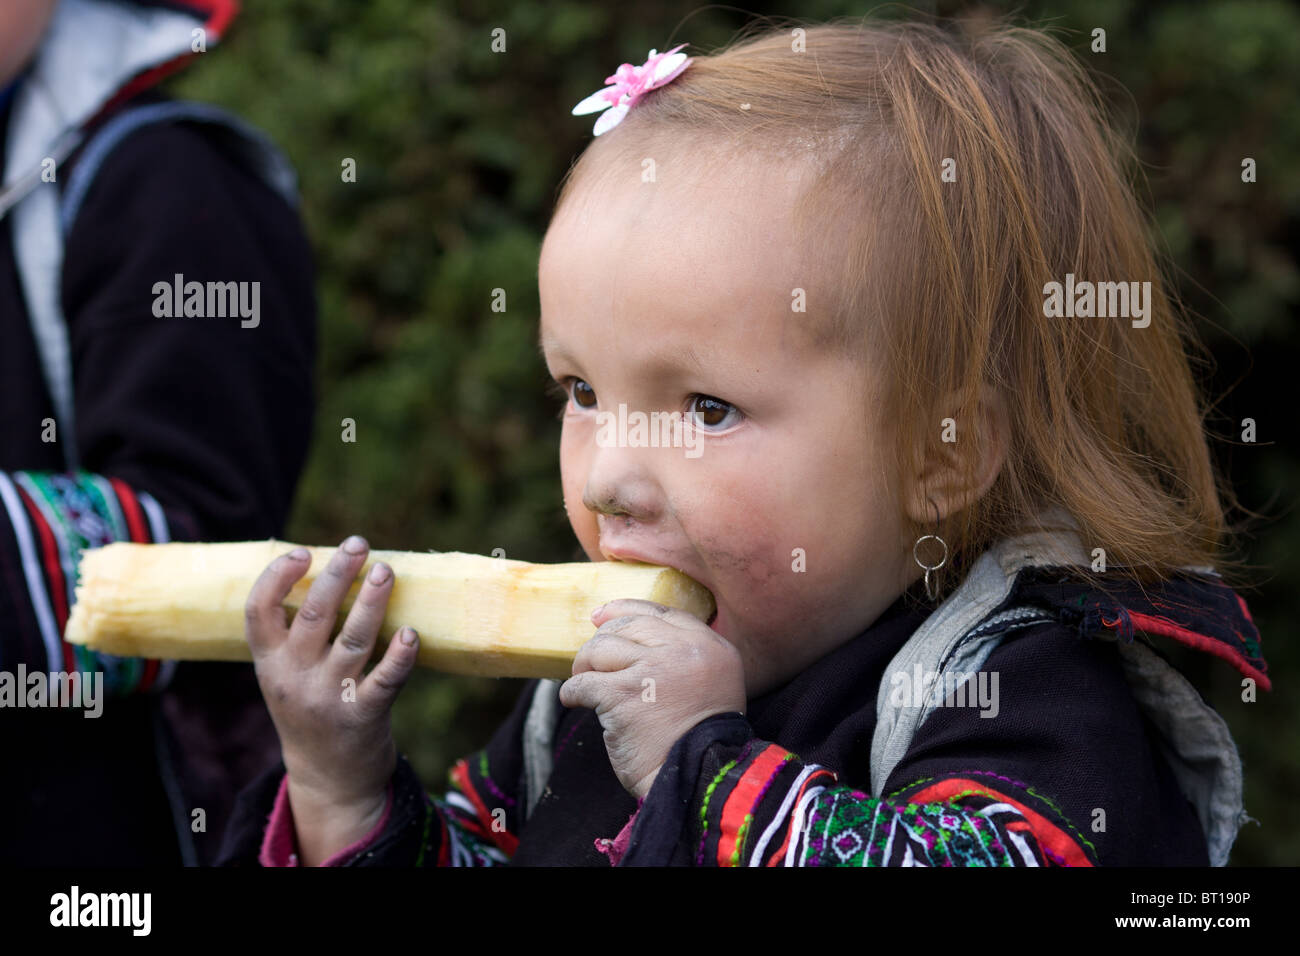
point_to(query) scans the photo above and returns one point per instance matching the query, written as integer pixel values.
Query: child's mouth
(614, 553)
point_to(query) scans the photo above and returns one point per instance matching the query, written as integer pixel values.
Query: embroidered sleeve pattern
(50, 518)
(758, 804)
(477, 817)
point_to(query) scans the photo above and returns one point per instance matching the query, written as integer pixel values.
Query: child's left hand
(652, 673)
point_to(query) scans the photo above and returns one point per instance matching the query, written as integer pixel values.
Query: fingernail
(408, 636)
(300, 554)
(378, 574)
(355, 544)
(599, 609)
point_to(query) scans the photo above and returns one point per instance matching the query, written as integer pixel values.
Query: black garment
(1068, 733)
(209, 418)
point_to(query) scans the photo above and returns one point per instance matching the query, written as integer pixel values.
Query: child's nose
(618, 484)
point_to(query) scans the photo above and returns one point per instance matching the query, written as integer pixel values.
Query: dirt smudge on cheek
(751, 569)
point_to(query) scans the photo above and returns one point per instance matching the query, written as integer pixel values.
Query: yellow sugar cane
(492, 617)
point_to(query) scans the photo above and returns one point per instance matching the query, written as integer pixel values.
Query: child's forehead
(663, 173)
(655, 328)
(714, 245)
(728, 229)
(685, 285)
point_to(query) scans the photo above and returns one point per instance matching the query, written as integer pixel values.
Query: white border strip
(32, 571)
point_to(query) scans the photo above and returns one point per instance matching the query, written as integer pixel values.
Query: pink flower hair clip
(629, 84)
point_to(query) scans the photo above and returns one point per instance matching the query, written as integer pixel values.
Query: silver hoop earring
(929, 588)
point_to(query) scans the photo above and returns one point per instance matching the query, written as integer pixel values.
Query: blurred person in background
(134, 410)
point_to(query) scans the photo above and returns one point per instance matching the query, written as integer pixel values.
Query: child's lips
(622, 554)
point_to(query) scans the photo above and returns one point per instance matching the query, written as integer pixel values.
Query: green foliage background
(459, 151)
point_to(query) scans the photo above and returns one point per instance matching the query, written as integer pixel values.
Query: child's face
(654, 294)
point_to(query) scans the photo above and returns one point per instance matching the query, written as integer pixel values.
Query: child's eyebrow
(666, 362)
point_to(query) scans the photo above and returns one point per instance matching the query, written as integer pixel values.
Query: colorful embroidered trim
(54, 516)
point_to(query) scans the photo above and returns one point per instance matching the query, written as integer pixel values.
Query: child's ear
(960, 459)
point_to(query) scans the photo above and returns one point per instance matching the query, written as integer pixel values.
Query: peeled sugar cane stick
(475, 615)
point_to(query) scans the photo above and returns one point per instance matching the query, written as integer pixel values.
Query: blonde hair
(942, 282)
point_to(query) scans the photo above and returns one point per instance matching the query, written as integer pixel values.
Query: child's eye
(713, 413)
(573, 389)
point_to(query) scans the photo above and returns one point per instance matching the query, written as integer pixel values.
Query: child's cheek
(747, 568)
(782, 577)
(575, 459)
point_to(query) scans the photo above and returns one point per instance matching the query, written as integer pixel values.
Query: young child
(935, 505)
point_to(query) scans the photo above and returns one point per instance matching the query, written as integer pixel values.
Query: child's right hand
(337, 742)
